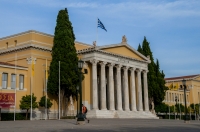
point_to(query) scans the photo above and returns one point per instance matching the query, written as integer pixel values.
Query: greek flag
(100, 24)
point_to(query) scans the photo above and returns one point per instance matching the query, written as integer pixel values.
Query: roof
(97, 49)
(8, 64)
(182, 77)
(29, 31)
(126, 45)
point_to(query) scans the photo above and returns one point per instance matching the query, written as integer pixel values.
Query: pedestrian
(84, 111)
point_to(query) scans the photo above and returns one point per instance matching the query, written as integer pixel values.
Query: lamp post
(77, 91)
(80, 115)
(184, 86)
(176, 99)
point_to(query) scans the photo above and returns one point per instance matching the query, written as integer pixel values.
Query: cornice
(96, 49)
(25, 47)
(126, 45)
(26, 32)
(13, 67)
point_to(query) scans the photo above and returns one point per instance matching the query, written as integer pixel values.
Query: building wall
(193, 91)
(41, 50)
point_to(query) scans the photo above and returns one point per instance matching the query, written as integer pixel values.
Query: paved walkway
(97, 125)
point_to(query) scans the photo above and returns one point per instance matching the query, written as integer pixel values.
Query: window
(4, 80)
(13, 81)
(6, 45)
(15, 42)
(21, 82)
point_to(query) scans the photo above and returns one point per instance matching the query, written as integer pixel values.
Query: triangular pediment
(124, 50)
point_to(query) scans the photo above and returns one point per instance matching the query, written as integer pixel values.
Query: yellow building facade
(175, 86)
(111, 89)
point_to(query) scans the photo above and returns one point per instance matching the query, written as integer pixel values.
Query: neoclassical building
(111, 89)
(176, 90)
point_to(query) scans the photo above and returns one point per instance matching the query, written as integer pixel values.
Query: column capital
(31, 59)
(118, 66)
(125, 68)
(132, 68)
(94, 61)
(103, 63)
(138, 70)
(111, 64)
(145, 71)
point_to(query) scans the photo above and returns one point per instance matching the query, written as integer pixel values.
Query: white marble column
(126, 93)
(119, 91)
(139, 91)
(111, 87)
(103, 86)
(146, 98)
(94, 84)
(132, 90)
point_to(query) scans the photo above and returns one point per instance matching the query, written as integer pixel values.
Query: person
(84, 111)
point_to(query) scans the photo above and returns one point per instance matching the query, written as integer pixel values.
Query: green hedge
(10, 116)
(68, 117)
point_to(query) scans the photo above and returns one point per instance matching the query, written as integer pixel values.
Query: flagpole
(46, 93)
(32, 75)
(59, 91)
(31, 98)
(15, 86)
(97, 32)
(169, 112)
(174, 113)
(180, 107)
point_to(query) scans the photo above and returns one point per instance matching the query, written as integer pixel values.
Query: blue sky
(172, 27)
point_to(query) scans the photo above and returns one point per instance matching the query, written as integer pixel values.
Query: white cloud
(150, 8)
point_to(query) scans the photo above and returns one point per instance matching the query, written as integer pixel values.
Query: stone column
(146, 98)
(132, 90)
(111, 87)
(139, 93)
(103, 86)
(119, 91)
(94, 84)
(126, 93)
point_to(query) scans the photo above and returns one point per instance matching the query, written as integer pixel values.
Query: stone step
(120, 114)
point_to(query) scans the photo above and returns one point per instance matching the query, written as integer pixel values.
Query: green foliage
(195, 108)
(25, 103)
(64, 51)
(10, 116)
(155, 77)
(180, 108)
(42, 102)
(162, 108)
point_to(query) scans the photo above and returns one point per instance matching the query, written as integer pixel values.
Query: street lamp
(77, 90)
(80, 115)
(176, 99)
(184, 86)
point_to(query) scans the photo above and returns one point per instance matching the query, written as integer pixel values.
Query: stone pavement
(97, 125)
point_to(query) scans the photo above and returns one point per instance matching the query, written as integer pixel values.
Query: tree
(195, 108)
(162, 108)
(25, 103)
(64, 51)
(155, 77)
(42, 103)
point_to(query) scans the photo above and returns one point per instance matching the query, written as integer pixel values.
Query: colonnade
(123, 85)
